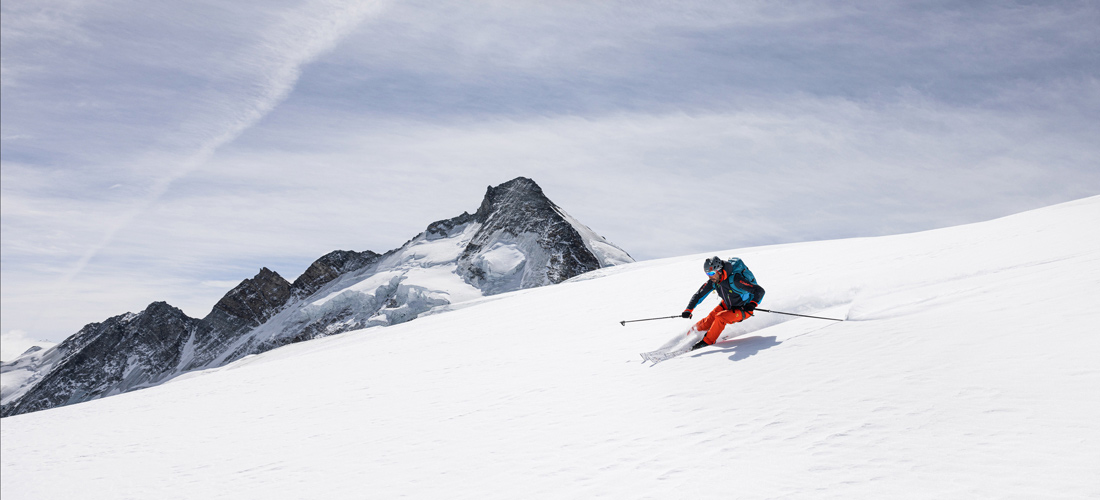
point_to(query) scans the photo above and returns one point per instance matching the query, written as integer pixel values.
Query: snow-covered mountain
(966, 369)
(516, 239)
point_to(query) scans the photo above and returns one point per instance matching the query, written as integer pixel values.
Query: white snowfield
(967, 368)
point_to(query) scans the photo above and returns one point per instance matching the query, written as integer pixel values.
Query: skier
(740, 295)
(736, 288)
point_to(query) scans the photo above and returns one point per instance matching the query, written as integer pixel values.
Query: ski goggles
(712, 273)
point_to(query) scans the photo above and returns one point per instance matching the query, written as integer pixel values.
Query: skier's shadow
(742, 348)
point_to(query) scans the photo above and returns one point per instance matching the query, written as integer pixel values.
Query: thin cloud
(14, 343)
(280, 54)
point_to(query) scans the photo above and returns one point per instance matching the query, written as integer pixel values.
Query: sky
(166, 151)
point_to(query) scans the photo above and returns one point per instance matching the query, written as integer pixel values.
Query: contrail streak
(280, 53)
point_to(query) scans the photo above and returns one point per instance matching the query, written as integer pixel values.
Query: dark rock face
(443, 228)
(246, 306)
(516, 239)
(329, 267)
(131, 350)
(251, 303)
(517, 213)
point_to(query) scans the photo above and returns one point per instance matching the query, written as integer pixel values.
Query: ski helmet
(712, 265)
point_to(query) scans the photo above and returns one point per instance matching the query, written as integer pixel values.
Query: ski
(657, 356)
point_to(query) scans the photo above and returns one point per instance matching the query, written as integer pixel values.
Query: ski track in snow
(967, 369)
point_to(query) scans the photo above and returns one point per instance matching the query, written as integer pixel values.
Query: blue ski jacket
(735, 289)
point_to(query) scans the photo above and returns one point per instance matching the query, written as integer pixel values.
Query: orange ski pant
(717, 320)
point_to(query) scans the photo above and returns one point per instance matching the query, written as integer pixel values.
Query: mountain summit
(524, 240)
(516, 239)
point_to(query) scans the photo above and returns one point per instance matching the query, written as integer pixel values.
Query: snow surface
(502, 259)
(609, 255)
(967, 368)
(25, 370)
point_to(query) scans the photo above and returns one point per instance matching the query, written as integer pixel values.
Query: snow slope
(967, 368)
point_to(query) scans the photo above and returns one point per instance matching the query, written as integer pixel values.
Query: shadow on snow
(742, 348)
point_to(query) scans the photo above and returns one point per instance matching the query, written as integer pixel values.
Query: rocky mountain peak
(122, 353)
(161, 309)
(442, 228)
(525, 240)
(252, 302)
(329, 267)
(517, 195)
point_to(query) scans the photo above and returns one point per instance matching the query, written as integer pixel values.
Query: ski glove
(686, 314)
(750, 307)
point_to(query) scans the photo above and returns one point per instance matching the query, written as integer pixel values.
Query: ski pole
(624, 322)
(793, 314)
